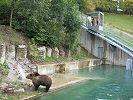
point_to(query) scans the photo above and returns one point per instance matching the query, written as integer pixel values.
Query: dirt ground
(60, 81)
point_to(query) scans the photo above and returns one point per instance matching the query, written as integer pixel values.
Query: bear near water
(38, 80)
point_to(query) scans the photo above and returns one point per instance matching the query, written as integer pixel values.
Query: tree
(106, 5)
(4, 12)
(47, 22)
(128, 6)
(12, 4)
(71, 24)
(90, 6)
(31, 17)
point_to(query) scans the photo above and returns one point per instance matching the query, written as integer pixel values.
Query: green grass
(121, 37)
(120, 21)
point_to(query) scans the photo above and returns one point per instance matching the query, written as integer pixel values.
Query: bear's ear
(35, 73)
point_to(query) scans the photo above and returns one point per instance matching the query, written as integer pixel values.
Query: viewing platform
(113, 36)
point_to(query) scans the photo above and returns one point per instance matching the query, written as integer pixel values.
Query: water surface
(115, 84)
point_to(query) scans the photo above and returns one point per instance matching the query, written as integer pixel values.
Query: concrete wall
(113, 55)
(66, 67)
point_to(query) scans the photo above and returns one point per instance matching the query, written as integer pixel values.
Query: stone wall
(15, 56)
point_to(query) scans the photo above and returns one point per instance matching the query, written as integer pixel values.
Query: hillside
(12, 37)
(121, 21)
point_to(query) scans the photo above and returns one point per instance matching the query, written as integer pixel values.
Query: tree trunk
(11, 18)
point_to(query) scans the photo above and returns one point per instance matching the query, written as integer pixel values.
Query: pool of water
(115, 83)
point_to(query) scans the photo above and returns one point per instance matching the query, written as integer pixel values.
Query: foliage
(111, 6)
(127, 6)
(90, 6)
(71, 24)
(106, 5)
(4, 12)
(53, 23)
(86, 6)
(4, 69)
(34, 53)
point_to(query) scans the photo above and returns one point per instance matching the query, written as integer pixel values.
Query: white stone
(22, 46)
(10, 55)
(19, 90)
(56, 52)
(42, 51)
(2, 53)
(49, 52)
(21, 52)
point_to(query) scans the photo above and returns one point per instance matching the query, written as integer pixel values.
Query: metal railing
(111, 41)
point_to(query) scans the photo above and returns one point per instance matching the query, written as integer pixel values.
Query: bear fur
(38, 80)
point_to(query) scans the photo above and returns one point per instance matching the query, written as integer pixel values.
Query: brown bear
(38, 80)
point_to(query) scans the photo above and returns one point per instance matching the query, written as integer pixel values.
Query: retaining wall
(65, 67)
(103, 49)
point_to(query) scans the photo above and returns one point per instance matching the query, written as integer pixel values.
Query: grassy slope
(120, 21)
(11, 37)
(120, 36)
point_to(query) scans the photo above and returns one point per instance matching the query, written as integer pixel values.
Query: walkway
(119, 36)
(115, 37)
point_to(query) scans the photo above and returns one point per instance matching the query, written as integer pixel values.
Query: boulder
(7, 88)
(21, 52)
(49, 52)
(28, 87)
(55, 52)
(2, 53)
(62, 53)
(42, 51)
(60, 68)
(10, 54)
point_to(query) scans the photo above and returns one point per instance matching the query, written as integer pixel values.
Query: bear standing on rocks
(38, 80)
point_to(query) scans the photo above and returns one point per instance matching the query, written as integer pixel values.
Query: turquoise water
(115, 84)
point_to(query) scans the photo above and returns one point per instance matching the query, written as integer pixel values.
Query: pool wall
(65, 67)
(102, 49)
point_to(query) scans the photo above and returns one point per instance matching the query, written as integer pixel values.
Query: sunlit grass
(120, 21)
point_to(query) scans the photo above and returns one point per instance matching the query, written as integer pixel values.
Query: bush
(4, 69)
(106, 5)
(4, 14)
(127, 6)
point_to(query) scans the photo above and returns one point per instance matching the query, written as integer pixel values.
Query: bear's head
(30, 76)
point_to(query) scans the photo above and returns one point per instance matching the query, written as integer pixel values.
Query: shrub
(4, 69)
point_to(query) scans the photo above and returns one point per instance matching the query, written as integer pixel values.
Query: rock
(62, 53)
(42, 51)
(33, 68)
(68, 53)
(10, 55)
(55, 52)
(19, 90)
(2, 53)
(49, 52)
(3, 85)
(13, 74)
(25, 64)
(60, 68)
(21, 52)
(16, 72)
(7, 88)
(78, 50)
(28, 87)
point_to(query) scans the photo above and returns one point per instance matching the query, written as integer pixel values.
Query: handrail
(111, 41)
